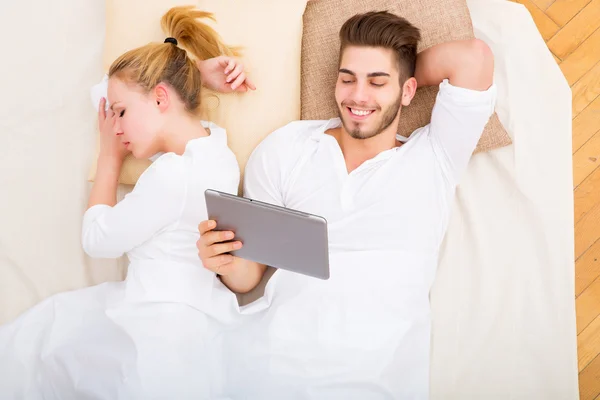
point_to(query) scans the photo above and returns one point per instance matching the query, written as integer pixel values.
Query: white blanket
(503, 303)
(503, 306)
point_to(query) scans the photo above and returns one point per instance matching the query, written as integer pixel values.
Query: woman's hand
(110, 160)
(224, 74)
(110, 143)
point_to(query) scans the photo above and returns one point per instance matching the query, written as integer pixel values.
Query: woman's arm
(110, 228)
(110, 160)
(104, 190)
(155, 202)
(224, 74)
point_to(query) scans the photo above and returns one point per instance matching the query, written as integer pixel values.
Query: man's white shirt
(365, 332)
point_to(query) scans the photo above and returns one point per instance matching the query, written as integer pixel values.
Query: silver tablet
(275, 236)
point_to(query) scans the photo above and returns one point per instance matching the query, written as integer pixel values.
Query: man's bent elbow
(482, 62)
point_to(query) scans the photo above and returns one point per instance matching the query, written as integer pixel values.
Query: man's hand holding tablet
(244, 235)
(214, 248)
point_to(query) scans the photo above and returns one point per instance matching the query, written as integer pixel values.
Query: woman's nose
(117, 127)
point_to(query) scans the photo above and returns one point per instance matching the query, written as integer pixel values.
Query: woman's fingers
(230, 65)
(235, 73)
(102, 110)
(239, 81)
(250, 84)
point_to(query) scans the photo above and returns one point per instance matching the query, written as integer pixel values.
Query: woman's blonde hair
(149, 65)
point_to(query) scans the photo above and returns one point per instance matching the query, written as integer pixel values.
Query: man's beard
(388, 117)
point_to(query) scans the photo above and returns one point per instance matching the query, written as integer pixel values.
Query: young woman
(155, 335)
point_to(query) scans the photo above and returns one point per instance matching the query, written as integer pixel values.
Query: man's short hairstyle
(386, 30)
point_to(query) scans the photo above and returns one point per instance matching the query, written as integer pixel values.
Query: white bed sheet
(51, 57)
(503, 304)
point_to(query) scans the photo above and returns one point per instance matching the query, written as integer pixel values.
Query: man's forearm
(465, 63)
(246, 276)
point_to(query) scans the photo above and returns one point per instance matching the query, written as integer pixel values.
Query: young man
(364, 333)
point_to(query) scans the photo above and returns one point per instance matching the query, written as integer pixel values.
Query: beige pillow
(270, 34)
(439, 21)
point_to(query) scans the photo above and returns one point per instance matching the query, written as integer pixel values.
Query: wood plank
(576, 31)
(558, 61)
(588, 305)
(576, 49)
(561, 11)
(587, 231)
(587, 268)
(588, 344)
(586, 160)
(545, 25)
(582, 59)
(587, 195)
(586, 90)
(589, 381)
(543, 4)
(586, 124)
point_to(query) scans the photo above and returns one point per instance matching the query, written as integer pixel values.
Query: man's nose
(360, 94)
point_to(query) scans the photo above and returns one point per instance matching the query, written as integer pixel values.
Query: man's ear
(161, 96)
(408, 91)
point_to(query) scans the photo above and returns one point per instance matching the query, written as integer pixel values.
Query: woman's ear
(408, 91)
(161, 96)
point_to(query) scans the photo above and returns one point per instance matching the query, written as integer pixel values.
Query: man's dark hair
(386, 30)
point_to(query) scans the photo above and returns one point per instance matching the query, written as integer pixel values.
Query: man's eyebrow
(376, 74)
(371, 75)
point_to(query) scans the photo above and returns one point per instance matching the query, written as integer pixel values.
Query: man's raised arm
(465, 63)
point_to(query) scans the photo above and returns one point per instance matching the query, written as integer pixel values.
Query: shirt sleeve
(155, 202)
(458, 119)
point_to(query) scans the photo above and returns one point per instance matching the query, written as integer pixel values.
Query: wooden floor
(571, 29)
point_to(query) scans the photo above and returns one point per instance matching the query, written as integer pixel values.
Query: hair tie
(171, 40)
